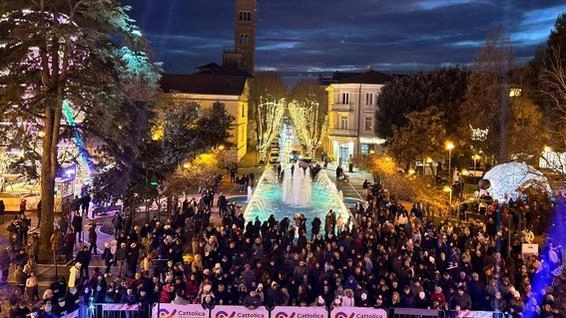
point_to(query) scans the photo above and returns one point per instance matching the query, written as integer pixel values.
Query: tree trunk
(48, 174)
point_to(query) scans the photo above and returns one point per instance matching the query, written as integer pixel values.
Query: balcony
(342, 108)
(343, 132)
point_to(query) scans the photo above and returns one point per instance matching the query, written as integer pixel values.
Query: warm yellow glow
(515, 92)
(476, 157)
(41, 134)
(428, 160)
(547, 149)
(411, 171)
(371, 152)
(205, 159)
(157, 133)
(221, 147)
(447, 189)
(449, 145)
(465, 172)
(187, 165)
(385, 165)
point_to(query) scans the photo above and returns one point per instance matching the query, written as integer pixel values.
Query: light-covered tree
(309, 113)
(80, 51)
(266, 110)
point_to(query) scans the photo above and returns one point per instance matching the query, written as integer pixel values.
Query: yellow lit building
(352, 102)
(229, 90)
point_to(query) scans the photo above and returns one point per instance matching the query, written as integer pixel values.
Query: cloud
(298, 35)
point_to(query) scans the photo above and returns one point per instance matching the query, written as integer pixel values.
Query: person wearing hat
(380, 302)
(252, 300)
(274, 296)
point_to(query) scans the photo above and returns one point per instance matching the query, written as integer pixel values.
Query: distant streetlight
(449, 146)
(475, 158)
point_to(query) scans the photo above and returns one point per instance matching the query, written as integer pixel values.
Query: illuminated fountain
(300, 193)
(297, 185)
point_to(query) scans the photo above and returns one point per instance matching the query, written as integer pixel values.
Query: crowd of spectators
(389, 257)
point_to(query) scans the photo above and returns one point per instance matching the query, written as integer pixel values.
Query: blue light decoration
(68, 112)
(557, 236)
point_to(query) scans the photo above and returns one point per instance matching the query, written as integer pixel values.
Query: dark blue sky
(329, 35)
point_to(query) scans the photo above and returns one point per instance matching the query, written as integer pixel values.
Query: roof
(210, 84)
(369, 77)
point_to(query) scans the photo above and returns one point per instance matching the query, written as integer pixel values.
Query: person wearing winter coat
(461, 300)
(107, 257)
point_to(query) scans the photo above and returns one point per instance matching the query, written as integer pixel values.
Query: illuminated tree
(196, 174)
(267, 107)
(309, 112)
(270, 114)
(85, 52)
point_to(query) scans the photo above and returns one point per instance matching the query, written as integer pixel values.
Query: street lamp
(449, 146)
(475, 158)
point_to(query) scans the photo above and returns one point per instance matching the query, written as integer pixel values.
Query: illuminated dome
(508, 178)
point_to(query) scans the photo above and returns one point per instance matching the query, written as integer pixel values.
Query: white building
(351, 114)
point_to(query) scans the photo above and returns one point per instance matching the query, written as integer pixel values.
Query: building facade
(352, 103)
(213, 90)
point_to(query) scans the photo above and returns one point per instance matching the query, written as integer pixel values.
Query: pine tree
(84, 52)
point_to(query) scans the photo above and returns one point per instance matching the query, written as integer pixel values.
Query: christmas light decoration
(508, 179)
(308, 126)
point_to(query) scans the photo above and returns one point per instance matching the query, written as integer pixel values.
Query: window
(369, 98)
(345, 98)
(245, 16)
(244, 39)
(368, 124)
(344, 122)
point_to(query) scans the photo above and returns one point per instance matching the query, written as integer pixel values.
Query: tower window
(244, 38)
(245, 16)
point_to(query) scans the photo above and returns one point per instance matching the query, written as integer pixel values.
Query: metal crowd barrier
(115, 311)
(196, 310)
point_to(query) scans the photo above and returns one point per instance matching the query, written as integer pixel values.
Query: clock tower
(242, 57)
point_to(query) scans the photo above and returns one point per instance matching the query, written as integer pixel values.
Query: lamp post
(448, 189)
(475, 158)
(449, 146)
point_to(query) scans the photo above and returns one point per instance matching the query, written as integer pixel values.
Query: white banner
(299, 312)
(179, 311)
(357, 312)
(474, 314)
(74, 314)
(120, 307)
(238, 312)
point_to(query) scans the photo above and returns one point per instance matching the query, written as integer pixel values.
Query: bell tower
(244, 33)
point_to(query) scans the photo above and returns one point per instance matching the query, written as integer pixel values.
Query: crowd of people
(389, 257)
